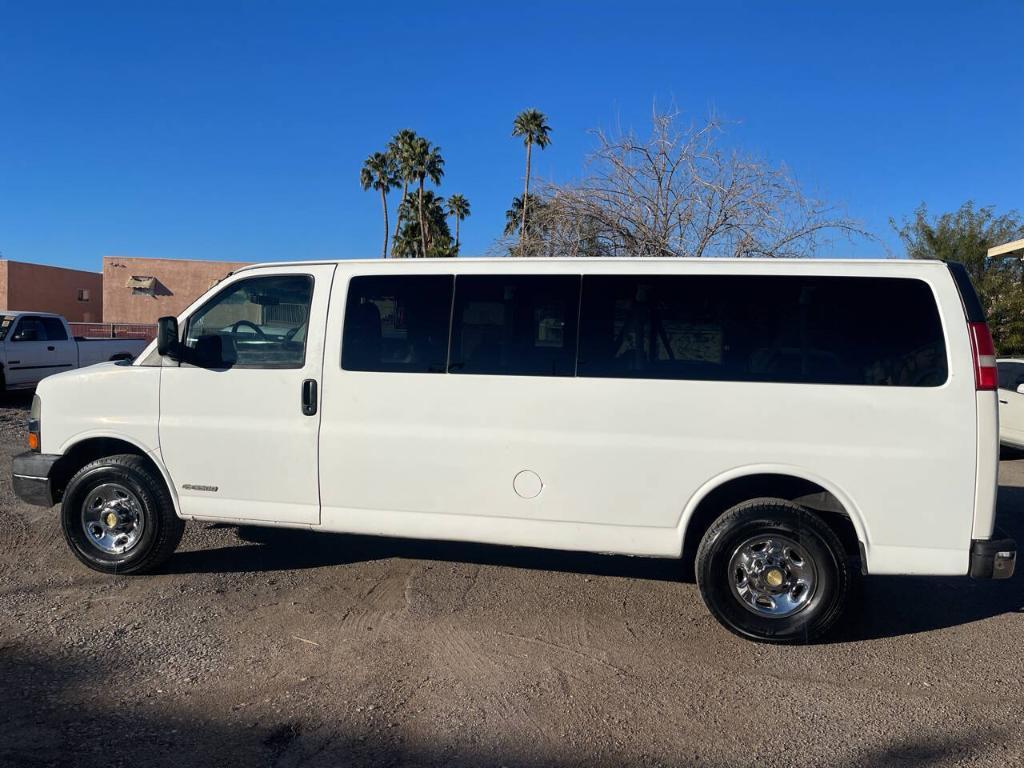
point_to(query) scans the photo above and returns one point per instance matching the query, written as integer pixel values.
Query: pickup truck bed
(34, 345)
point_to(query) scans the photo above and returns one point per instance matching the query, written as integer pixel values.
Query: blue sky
(236, 130)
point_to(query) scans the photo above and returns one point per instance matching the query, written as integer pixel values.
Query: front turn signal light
(35, 416)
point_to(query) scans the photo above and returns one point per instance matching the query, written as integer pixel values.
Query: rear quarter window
(870, 331)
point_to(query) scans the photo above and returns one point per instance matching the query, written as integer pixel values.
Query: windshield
(6, 321)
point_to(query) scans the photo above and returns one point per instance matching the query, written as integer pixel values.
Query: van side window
(515, 325)
(814, 330)
(256, 323)
(397, 323)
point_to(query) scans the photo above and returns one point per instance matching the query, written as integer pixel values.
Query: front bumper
(30, 476)
(993, 558)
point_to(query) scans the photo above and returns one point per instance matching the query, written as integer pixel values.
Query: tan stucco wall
(179, 283)
(51, 289)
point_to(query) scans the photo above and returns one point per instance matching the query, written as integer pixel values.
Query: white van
(782, 424)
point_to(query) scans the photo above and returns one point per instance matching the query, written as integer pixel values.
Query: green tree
(514, 221)
(458, 206)
(402, 148)
(409, 242)
(380, 172)
(532, 125)
(426, 163)
(965, 235)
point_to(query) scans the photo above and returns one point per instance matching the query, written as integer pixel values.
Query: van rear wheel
(769, 570)
(117, 516)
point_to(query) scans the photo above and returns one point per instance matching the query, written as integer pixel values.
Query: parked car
(34, 345)
(1011, 402)
(782, 425)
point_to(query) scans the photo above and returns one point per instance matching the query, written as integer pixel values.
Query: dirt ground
(259, 647)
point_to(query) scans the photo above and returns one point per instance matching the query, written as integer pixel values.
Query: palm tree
(409, 242)
(380, 172)
(514, 221)
(426, 163)
(532, 125)
(514, 215)
(458, 206)
(401, 149)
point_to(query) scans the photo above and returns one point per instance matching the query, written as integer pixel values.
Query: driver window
(255, 323)
(29, 329)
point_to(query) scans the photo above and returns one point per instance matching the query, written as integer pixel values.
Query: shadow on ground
(884, 606)
(21, 398)
(66, 718)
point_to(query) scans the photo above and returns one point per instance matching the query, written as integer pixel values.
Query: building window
(83, 294)
(143, 285)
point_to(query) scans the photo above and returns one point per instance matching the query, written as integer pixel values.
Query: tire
(125, 490)
(770, 571)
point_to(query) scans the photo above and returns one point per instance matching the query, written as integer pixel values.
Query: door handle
(1003, 402)
(51, 349)
(309, 397)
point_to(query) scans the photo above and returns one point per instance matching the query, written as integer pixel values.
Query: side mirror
(1020, 389)
(168, 343)
(213, 351)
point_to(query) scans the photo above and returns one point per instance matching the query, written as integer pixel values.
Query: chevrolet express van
(784, 425)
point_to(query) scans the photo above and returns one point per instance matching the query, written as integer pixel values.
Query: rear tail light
(984, 351)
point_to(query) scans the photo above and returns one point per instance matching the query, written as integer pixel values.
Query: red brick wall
(35, 287)
(179, 283)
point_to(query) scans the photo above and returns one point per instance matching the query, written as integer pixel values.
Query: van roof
(595, 260)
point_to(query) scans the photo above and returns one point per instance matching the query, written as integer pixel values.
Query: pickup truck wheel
(117, 516)
(769, 570)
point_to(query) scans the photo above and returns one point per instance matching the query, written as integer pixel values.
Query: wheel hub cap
(112, 518)
(772, 576)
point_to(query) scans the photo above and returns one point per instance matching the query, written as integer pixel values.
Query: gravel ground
(261, 647)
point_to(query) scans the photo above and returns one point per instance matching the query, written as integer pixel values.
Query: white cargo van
(782, 424)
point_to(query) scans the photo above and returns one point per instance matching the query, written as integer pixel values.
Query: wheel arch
(79, 451)
(791, 483)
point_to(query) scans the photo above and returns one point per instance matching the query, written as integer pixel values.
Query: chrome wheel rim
(112, 518)
(772, 576)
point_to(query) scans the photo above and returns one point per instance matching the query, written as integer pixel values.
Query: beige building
(139, 290)
(74, 293)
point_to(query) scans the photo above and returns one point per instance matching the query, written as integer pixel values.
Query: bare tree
(678, 193)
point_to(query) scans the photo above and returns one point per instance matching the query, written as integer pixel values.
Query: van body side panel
(619, 460)
(79, 405)
(987, 478)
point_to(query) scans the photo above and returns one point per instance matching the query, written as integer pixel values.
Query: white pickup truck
(34, 345)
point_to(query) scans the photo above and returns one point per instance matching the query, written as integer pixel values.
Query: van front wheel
(117, 516)
(769, 570)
